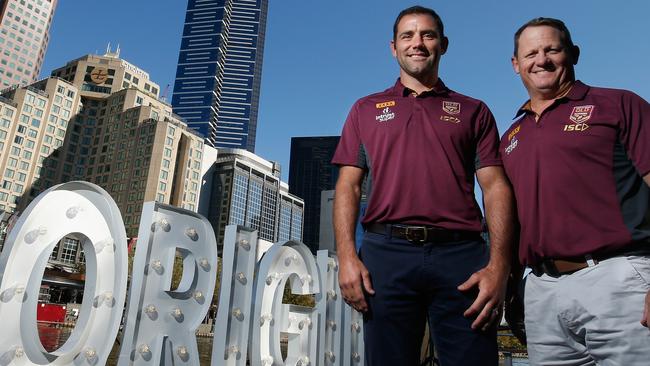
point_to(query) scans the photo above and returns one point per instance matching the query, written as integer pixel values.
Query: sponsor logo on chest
(514, 132)
(512, 138)
(579, 116)
(386, 113)
(513, 144)
(451, 108)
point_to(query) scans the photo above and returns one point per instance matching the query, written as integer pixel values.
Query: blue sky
(320, 56)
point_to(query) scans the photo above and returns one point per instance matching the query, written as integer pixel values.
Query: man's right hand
(354, 278)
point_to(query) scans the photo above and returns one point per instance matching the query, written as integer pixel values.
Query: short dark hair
(551, 22)
(417, 9)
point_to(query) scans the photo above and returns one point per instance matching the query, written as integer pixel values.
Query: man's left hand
(645, 321)
(491, 282)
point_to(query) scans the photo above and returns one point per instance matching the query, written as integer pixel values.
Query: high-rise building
(220, 68)
(97, 119)
(33, 128)
(310, 173)
(246, 190)
(24, 36)
(127, 140)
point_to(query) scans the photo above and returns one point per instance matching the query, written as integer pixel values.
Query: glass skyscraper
(310, 173)
(219, 70)
(246, 190)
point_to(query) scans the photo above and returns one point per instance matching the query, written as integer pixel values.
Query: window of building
(69, 250)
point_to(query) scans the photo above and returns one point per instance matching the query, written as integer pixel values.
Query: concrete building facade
(127, 140)
(34, 122)
(97, 119)
(24, 36)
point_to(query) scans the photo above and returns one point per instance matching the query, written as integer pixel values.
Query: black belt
(558, 267)
(422, 234)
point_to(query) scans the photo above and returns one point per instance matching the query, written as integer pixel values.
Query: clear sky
(320, 56)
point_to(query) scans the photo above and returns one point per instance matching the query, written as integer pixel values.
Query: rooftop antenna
(110, 53)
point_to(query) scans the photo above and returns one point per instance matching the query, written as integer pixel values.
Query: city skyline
(314, 69)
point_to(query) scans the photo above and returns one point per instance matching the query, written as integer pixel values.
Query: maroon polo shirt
(577, 173)
(420, 154)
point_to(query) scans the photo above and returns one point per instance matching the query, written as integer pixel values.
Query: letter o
(73, 207)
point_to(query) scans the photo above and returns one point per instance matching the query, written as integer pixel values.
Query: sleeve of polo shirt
(487, 139)
(635, 130)
(350, 150)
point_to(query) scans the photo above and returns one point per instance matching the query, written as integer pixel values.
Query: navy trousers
(416, 281)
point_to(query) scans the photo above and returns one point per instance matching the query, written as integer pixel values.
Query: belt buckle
(548, 267)
(411, 236)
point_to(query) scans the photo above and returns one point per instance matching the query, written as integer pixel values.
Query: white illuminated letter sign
(161, 323)
(89, 212)
(235, 303)
(293, 262)
(331, 307)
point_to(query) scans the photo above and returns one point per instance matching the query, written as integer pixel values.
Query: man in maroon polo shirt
(419, 144)
(579, 161)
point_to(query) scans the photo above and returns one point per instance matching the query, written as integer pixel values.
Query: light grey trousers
(589, 317)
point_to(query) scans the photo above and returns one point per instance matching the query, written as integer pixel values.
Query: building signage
(159, 324)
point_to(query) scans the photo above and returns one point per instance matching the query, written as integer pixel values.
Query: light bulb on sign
(144, 349)
(31, 236)
(182, 352)
(192, 234)
(72, 212)
(238, 314)
(241, 277)
(243, 243)
(177, 313)
(304, 322)
(204, 263)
